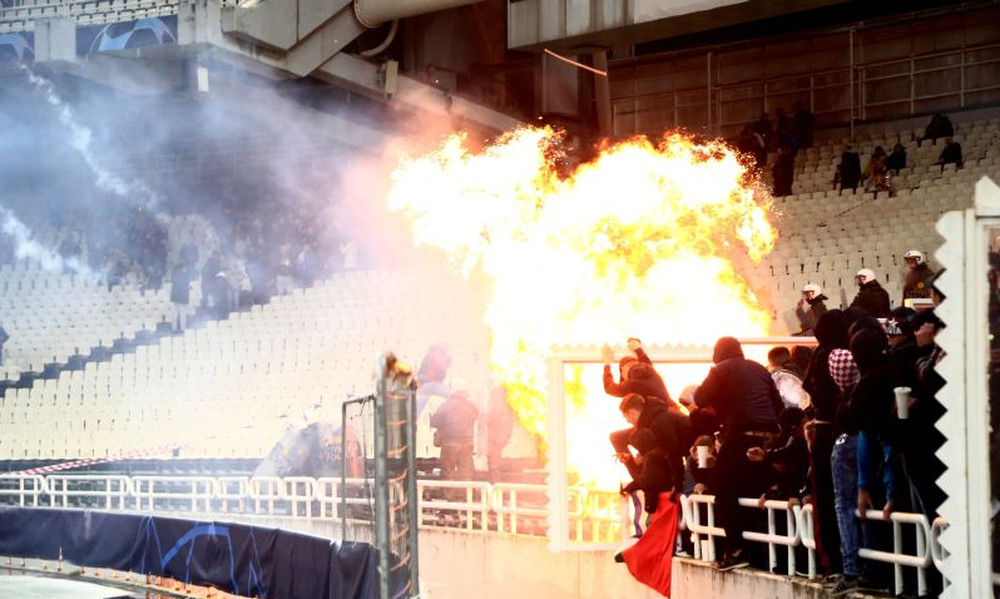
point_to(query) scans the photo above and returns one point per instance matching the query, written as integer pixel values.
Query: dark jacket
(791, 464)
(918, 281)
(642, 379)
(455, 420)
(673, 434)
(872, 298)
(741, 391)
(872, 398)
(809, 316)
(662, 437)
(831, 332)
(952, 153)
(850, 169)
(896, 161)
(180, 285)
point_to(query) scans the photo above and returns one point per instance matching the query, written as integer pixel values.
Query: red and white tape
(132, 455)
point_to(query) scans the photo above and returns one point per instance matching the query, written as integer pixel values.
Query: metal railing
(897, 557)
(848, 93)
(481, 507)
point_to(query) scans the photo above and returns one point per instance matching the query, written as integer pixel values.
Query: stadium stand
(229, 388)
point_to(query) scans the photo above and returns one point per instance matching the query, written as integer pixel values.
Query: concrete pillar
(55, 39)
(602, 93)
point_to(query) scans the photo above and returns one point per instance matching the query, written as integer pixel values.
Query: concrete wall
(457, 564)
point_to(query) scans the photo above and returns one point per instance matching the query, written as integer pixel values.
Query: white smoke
(27, 247)
(80, 137)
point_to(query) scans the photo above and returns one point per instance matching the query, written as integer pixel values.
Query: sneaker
(732, 561)
(867, 584)
(844, 586)
(832, 579)
(620, 552)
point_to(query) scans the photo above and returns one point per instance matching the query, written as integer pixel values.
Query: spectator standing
(805, 125)
(849, 169)
(940, 126)
(918, 276)
(951, 154)
(812, 296)
(180, 294)
(455, 424)
(825, 396)
(871, 296)
(897, 159)
(4, 338)
(745, 399)
(499, 428)
(763, 128)
(783, 171)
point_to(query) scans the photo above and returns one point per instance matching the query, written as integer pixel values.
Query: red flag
(649, 560)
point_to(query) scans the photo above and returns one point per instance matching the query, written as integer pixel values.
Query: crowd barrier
(509, 508)
(250, 561)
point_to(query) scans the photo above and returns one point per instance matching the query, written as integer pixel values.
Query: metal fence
(472, 507)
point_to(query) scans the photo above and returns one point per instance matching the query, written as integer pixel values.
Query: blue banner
(246, 560)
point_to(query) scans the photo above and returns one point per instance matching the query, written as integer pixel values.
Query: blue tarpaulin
(246, 560)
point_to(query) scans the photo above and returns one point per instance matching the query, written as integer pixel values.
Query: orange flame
(636, 242)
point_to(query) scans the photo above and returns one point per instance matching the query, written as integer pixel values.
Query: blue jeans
(844, 462)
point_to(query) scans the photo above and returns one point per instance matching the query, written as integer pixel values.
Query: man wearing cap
(871, 296)
(918, 276)
(812, 296)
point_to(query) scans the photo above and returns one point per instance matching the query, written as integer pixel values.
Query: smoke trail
(26, 246)
(80, 138)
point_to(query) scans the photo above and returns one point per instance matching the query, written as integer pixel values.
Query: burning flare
(636, 242)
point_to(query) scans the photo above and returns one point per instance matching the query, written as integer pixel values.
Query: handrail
(481, 506)
(897, 557)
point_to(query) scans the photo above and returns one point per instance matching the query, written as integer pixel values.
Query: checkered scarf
(843, 369)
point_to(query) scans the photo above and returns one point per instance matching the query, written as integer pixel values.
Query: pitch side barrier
(249, 561)
(479, 507)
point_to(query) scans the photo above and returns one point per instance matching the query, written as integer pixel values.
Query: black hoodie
(741, 391)
(831, 332)
(872, 398)
(672, 433)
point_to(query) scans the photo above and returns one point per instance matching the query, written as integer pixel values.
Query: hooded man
(745, 399)
(825, 395)
(810, 308)
(871, 296)
(662, 437)
(918, 276)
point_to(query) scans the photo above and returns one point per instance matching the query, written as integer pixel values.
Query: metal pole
(708, 91)
(381, 480)
(343, 471)
(850, 54)
(411, 483)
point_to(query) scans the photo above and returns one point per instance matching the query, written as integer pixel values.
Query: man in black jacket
(746, 401)
(662, 437)
(810, 308)
(636, 375)
(871, 296)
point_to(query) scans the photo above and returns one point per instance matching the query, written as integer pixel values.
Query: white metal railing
(512, 508)
(897, 557)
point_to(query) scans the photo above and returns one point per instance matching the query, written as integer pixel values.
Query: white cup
(902, 402)
(702, 456)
